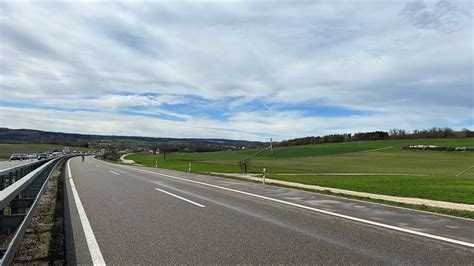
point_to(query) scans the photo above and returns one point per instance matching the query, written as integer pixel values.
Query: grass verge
(43, 242)
(448, 189)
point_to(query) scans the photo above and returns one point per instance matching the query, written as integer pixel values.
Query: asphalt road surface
(129, 215)
(8, 164)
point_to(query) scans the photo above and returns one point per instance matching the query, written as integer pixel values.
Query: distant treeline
(382, 135)
(194, 147)
(30, 136)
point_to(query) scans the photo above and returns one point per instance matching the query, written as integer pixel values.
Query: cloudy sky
(236, 70)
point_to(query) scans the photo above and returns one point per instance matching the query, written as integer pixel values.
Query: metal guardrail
(22, 198)
(10, 175)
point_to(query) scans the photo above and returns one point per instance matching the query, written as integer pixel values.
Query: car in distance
(15, 156)
(42, 156)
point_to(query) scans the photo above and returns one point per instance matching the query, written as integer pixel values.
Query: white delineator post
(189, 170)
(156, 164)
(263, 175)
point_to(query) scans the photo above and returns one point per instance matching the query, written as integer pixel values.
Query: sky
(240, 70)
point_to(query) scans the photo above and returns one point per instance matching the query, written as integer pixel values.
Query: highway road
(123, 215)
(8, 164)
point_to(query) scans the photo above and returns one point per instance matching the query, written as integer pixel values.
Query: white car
(15, 156)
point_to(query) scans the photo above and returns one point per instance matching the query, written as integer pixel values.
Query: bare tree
(164, 148)
(244, 165)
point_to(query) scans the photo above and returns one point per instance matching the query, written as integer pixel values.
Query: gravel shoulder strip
(417, 201)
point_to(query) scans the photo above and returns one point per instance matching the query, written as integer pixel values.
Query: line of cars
(43, 155)
(34, 156)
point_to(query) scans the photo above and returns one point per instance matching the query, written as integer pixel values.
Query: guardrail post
(2, 230)
(14, 210)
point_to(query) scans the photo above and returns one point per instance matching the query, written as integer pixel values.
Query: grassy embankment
(390, 166)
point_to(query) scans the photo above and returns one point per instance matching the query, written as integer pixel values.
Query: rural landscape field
(380, 167)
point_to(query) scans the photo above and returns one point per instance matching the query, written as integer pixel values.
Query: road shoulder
(416, 201)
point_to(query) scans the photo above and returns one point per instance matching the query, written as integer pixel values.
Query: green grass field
(6, 150)
(440, 168)
(429, 187)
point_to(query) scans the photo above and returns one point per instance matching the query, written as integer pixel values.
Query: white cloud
(409, 64)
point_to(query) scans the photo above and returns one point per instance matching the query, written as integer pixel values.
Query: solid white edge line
(92, 244)
(115, 173)
(69, 169)
(405, 230)
(179, 197)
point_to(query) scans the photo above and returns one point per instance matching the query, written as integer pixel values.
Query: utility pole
(245, 161)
